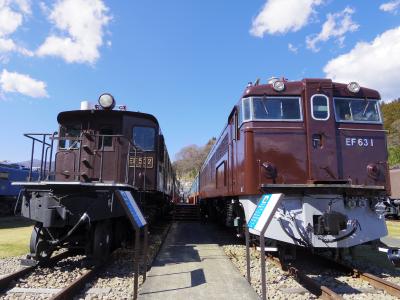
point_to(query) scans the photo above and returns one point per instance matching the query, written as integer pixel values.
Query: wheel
(120, 234)
(38, 246)
(102, 241)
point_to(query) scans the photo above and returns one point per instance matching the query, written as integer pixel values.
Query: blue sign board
(264, 212)
(132, 209)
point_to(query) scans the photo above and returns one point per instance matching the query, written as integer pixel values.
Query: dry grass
(15, 233)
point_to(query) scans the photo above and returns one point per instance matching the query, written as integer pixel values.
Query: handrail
(46, 171)
(44, 143)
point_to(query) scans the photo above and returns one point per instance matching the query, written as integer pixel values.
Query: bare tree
(190, 159)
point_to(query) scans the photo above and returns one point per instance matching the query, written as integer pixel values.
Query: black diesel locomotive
(99, 151)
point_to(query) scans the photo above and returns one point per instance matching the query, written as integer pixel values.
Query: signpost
(259, 221)
(138, 222)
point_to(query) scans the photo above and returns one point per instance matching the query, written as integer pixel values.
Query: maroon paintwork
(85, 163)
(234, 166)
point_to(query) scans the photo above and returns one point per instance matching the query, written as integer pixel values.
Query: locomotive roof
(68, 115)
(296, 88)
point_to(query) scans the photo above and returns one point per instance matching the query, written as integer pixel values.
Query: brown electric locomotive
(321, 144)
(99, 150)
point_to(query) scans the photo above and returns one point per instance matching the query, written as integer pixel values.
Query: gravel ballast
(279, 284)
(115, 281)
(282, 286)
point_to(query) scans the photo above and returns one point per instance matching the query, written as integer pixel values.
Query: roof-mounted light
(278, 85)
(353, 87)
(107, 101)
(272, 79)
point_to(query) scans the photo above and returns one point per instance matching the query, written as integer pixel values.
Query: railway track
(76, 287)
(79, 280)
(319, 289)
(310, 284)
(6, 281)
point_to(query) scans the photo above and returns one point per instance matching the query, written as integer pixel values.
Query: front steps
(186, 212)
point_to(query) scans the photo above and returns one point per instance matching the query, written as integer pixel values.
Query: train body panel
(316, 141)
(8, 192)
(301, 149)
(395, 183)
(304, 209)
(10, 173)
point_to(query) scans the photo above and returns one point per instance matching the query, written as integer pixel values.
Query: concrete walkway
(191, 265)
(391, 241)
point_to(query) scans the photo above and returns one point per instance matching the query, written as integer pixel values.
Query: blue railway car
(8, 192)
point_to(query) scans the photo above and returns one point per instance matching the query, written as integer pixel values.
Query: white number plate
(359, 142)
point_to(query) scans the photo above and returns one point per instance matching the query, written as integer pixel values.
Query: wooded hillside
(189, 160)
(391, 119)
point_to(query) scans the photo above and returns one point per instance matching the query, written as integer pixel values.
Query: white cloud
(282, 16)
(9, 20)
(12, 13)
(12, 82)
(335, 26)
(8, 45)
(24, 5)
(391, 6)
(292, 48)
(375, 64)
(84, 22)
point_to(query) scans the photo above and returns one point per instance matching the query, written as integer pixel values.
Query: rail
(309, 283)
(324, 292)
(47, 171)
(7, 280)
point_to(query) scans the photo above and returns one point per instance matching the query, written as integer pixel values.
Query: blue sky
(186, 62)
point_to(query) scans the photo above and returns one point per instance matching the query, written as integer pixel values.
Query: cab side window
(105, 139)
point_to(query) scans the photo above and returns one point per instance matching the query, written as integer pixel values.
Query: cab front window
(277, 109)
(144, 137)
(69, 137)
(357, 110)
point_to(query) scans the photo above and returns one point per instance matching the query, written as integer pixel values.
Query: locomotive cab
(101, 143)
(97, 152)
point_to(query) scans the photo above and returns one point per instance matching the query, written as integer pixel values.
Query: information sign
(264, 212)
(131, 208)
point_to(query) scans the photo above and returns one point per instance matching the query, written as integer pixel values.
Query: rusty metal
(375, 281)
(7, 280)
(136, 264)
(264, 290)
(379, 283)
(77, 285)
(310, 284)
(247, 235)
(145, 251)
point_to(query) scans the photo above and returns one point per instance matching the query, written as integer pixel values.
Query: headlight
(278, 85)
(353, 87)
(106, 101)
